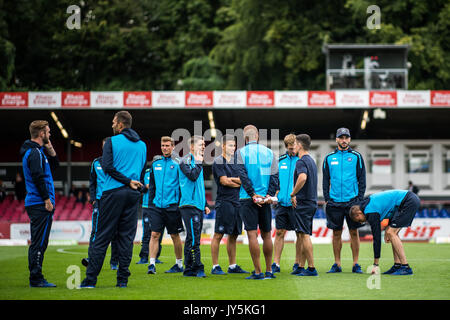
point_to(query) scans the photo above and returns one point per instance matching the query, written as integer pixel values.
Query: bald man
(257, 169)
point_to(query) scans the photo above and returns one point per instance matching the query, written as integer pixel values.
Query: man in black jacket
(40, 198)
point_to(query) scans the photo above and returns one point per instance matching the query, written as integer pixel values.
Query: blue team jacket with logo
(344, 176)
(164, 182)
(192, 185)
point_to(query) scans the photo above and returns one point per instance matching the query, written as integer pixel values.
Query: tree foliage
(208, 44)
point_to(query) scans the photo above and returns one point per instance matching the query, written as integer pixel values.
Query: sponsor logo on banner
(321, 98)
(260, 99)
(199, 98)
(45, 99)
(168, 98)
(76, 99)
(413, 98)
(383, 98)
(440, 98)
(14, 99)
(229, 99)
(137, 98)
(113, 99)
(352, 98)
(295, 99)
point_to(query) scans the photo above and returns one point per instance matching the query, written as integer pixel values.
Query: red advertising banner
(321, 98)
(4, 230)
(75, 99)
(383, 98)
(199, 98)
(137, 99)
(260, 99)
(440, 98)
(14, 99)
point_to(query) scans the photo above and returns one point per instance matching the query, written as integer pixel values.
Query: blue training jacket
(385, 203)
(146, 196)
(164, 182)
(192, 185)
(124, 159)
(96, 179)
(257, 169)
(344, 176)
(37, 173)
(286, 169)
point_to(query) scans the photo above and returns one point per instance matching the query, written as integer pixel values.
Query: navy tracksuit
(39, 184)
(96, 181)
(146, 232)
(192, 206)
(123, 160)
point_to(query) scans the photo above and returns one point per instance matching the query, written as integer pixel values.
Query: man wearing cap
(344, 184)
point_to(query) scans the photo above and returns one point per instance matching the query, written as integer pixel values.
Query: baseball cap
(342, 132)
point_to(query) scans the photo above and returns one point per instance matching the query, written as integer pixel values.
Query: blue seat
(434, 213)
(320, 214)
(423, 213)
(443, 213)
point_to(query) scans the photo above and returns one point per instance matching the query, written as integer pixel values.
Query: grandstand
(407, 141)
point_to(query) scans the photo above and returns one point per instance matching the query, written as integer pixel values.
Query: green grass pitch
(430, 263)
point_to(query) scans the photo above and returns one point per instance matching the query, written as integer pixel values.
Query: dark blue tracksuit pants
(146, 235)
(40, 225)
(114, 249)
(193, 222)
(117, 215)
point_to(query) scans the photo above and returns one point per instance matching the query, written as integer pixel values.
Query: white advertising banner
(422, 229)
(417, 98)
(111, 99)
(44, 99)
(169, 99)
(352, 98)
(230, 99)
(291, 99)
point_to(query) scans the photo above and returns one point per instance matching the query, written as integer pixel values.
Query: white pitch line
(61, 250)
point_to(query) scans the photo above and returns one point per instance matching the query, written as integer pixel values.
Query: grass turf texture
(430, 263)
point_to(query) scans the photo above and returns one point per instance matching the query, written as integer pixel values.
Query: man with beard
(40, 198)
(124, 159)
(344, 184)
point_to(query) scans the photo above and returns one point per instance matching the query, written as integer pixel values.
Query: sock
(232, 266)
(216, 265)
(397, 265)
(179, 262)
(311, 268)
(277, 265)
(405, 265)
(152, 260)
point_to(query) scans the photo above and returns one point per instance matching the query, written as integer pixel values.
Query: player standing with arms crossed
(228, 220)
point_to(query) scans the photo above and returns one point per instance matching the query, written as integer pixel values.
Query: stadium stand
(68, 209)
